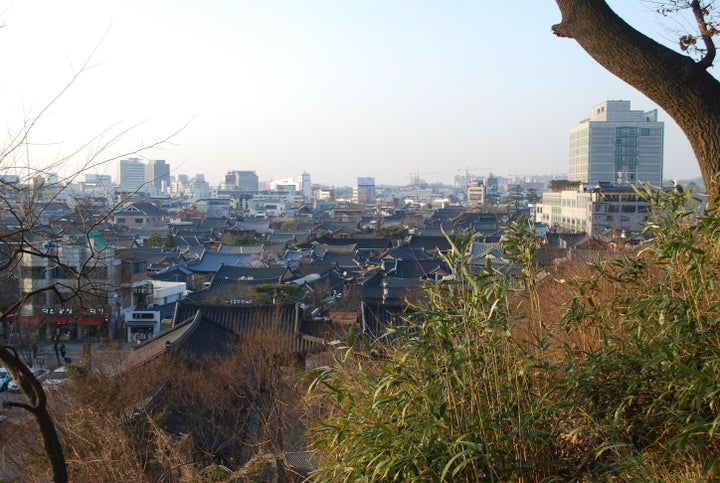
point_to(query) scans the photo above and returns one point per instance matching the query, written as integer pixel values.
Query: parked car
(56, 378)
(4, 378)
(39, 372)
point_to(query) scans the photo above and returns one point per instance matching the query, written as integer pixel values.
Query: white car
(39, 374)
(56, 378)
(4, 378)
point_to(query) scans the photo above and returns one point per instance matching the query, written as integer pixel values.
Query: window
(129, 268)
(99, 272)
(33, 273)
(138, 220)
(645, 131)
(61, 272)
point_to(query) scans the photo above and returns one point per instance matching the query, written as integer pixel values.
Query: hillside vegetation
(591, 372)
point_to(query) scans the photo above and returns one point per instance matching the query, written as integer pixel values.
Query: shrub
(456, 396)
(651, 382)
(483, 383)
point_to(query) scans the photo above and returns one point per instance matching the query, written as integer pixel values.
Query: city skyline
(338, 89)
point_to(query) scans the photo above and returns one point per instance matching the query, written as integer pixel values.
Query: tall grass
(492, 385)
(456, 397)
(653, 383)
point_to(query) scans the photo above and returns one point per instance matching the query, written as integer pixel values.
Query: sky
(337, 88)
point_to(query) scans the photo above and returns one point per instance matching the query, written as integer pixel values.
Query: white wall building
(602, 211)
(614, 148)
(617, 145)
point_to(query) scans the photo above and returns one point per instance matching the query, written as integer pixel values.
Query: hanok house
(140, 215)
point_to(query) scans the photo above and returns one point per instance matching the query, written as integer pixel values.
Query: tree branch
(707, 59)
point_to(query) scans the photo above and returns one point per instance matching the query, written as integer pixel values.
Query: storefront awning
(30, 319)
(91, 320)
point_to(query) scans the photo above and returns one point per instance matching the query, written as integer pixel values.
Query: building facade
(306, 185)
(364, 193)
(602, 211)
(131, 175)
(617, 145)
(613, 149)
(476, 193)
(243, 181)
(157, 176)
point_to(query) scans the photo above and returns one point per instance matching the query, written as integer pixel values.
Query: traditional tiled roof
(361, 243)
(147, 209)
(227, 249)
(420, 269)
(565, 240)
(407, 253)
(261, 227)
(176, 273)
(217, 225)
(211, 262)
(282, 321)
(429, 243)
(253, 275)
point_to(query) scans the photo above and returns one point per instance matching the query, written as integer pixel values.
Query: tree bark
(679, 85)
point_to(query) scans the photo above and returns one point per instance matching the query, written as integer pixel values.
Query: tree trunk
(33, 390)
(680, 86)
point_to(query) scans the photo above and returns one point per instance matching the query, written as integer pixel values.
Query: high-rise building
(131, 175)
(617, 145)
(157, 176)
(364, 192)
(306, 185)
(612, 149)
(247, 181)
(244, 181)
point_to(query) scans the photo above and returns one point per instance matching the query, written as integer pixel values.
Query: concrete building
(364, 192)
(611, 150)
(602, 211)
(214, 207)
(325, 194)
(131, 175)
(266, 205)
(617, 145)
(286, 185)
(242, 181)
(197, 188)
(476, 193)
(306, 185)
(157, 176)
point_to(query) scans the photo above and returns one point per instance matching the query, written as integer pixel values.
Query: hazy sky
(337, 88)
